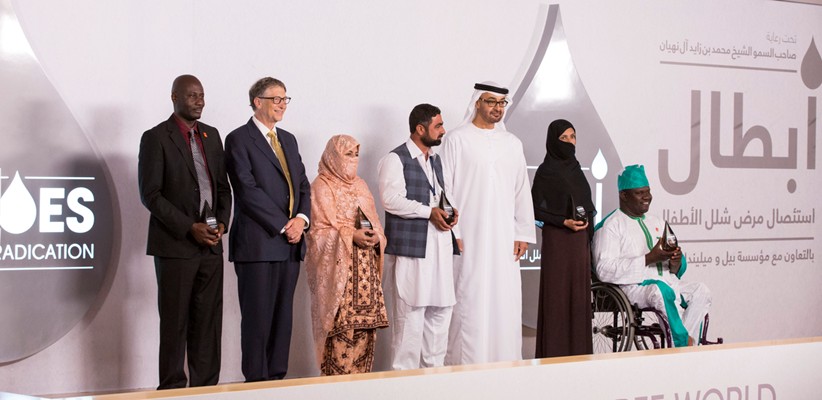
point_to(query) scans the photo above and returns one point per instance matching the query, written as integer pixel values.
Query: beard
(430, 142)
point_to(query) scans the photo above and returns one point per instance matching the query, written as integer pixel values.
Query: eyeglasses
(494, 103)
(277, 99)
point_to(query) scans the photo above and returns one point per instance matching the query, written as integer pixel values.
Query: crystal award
(446, 206)
(208, 216)
(577, 213)
(580, 215)
(362, 221)
(669, 242)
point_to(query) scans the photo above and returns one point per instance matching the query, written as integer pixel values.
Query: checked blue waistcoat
(408, 237)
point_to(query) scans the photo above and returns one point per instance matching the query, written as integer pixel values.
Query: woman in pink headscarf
(344, 263)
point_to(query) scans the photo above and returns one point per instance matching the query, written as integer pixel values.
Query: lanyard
(434, 173)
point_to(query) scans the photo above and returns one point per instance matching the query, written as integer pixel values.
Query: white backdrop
(358, 67)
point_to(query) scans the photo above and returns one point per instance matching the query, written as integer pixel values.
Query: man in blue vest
(420, 243)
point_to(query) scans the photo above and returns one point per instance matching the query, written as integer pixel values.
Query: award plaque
(446, 206)
(580, 214)
(669, 242)
(362, 221)
(577, 213)
(208, 216)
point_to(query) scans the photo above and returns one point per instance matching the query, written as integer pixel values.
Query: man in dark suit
(266, 239)
(181, 172)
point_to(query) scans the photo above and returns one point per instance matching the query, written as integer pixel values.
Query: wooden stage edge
(240, 387)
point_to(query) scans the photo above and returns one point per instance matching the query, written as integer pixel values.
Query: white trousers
(420, 335)
(696, 295)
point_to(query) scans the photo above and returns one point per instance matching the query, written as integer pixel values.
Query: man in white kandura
(419, 243)
(487, 180)
(628, 252)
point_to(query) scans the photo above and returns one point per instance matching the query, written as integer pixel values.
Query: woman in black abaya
(564, 316)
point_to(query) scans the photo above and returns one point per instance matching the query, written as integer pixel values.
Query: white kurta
(619, 249)
(424, 287)
(487, 181)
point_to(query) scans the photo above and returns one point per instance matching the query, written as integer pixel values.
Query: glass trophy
(446, 206)
(208, 216)
(362, 221)
(669, 242)
(577, 212)
(580, 214)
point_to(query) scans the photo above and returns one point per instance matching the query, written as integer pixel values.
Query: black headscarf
(560, 182)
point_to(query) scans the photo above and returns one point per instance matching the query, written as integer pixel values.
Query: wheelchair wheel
(651, 330)
(612, 319)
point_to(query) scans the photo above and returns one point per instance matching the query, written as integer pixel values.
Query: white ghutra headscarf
(480, 88)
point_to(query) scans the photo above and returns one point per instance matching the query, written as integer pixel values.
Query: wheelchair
(619, 325)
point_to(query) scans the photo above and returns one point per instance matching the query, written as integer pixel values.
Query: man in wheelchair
(628, 251)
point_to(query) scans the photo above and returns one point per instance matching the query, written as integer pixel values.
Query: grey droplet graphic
(811, 69)
(50, 276)
(551, 89)
(791, 185)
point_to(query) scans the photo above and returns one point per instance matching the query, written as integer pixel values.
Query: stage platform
(784, 369)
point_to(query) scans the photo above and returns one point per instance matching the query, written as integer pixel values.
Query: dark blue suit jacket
(261, 195)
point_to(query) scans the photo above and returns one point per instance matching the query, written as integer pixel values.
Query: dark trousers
(190, 301)
(266, 291)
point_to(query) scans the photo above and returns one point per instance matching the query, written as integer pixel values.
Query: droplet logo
(599, 168)
(551, 89)
(56, 208)
(811, 69)
(17, 208)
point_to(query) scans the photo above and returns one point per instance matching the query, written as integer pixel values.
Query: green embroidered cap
(632, 177)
